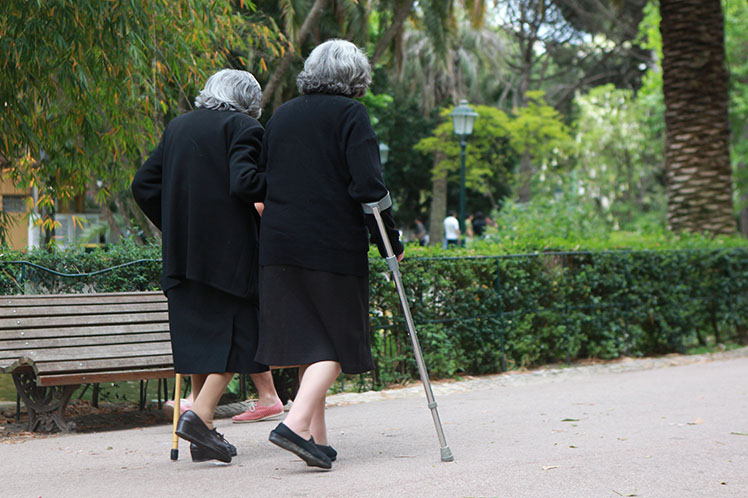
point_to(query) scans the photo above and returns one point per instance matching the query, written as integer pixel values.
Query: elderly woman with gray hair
(321, 160)
(198, 187)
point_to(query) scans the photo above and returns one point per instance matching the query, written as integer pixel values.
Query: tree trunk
(524, 178)
(285, 62)
(697, 154)
(438, 204)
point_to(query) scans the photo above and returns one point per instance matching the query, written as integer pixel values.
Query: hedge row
(477, 315)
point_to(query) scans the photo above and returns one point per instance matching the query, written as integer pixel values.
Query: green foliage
(86, 86)
(487, 309)
(489, 158)
(537, 129)
(17, 278)
(736, 40)
(618, 157)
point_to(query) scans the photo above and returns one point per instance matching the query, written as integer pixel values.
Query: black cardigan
(198, 187)
(321, 159)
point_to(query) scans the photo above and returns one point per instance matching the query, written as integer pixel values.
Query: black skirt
(308, 316)
(212, 331)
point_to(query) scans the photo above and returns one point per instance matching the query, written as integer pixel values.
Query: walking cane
(376, 208)
(175, 417)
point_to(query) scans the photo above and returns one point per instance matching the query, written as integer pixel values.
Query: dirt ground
(87, 418)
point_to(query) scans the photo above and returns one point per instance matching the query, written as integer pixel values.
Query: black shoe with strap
(307, 450)
(329, 451)
(193, 429)
(198, 455)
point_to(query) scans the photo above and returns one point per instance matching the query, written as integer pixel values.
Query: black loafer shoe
(194, 430)
(306, 450)
(198, 455)
(329, 451)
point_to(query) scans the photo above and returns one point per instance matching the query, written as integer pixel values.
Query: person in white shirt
(451, 230)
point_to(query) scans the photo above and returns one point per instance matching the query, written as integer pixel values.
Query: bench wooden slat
(73, 321)
(88, 309)
(110, 376)
(139, 362)
(65, 299)
(89, 352)
(92, 330)
(8, 348)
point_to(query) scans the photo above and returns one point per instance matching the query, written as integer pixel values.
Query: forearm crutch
(175, 417)
(376, 208)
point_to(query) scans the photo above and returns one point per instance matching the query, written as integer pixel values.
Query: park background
(610, 149)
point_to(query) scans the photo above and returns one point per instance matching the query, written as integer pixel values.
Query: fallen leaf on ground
(739, 433)
(570, 420)
(549, 467)
(633, 493)
(697, 421)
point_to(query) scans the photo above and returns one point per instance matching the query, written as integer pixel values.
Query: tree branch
(285, 62)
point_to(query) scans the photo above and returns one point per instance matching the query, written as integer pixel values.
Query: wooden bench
(52, 344)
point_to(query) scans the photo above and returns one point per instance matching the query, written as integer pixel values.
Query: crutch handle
(376, 208)
(382, 204)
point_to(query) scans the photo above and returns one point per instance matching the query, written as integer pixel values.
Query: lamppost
(463, 118)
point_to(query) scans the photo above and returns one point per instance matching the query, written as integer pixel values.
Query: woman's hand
(260, 207)
(400, 256)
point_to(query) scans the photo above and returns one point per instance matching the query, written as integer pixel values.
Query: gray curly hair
(336, 67)
(231, 90)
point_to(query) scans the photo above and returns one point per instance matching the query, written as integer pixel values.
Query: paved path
(670, 427)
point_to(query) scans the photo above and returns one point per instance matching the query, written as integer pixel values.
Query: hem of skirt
(346, 369)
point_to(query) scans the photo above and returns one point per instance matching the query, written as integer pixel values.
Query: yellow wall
(18, 232)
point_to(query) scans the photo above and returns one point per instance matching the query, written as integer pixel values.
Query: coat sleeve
(147, 185)
(367, 183)
(247, 182)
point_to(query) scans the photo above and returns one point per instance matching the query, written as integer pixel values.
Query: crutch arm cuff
(383, 204)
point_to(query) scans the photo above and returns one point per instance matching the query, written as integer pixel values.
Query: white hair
(231, 90)
(336, 67)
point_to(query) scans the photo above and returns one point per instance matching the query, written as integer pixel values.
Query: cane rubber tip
(447, 455)
(174, 454)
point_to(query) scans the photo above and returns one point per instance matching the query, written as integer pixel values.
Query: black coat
(321, 158)
(198, 187)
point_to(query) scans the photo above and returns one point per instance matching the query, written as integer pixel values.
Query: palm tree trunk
(285, 62)
(438, 203)
(697, 154)
(402, 11)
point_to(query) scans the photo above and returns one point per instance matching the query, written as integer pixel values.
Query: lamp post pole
(463, 118)
(463, 144)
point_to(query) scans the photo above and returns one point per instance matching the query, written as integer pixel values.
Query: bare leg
(209, 394)
(198, 380)
(265, 386)
(309, 404)
(318, 425)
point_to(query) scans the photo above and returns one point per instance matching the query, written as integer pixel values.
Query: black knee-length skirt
(308, 316)
(212, 331)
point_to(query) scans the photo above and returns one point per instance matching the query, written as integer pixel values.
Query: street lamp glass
(384, 153)
(463, 118)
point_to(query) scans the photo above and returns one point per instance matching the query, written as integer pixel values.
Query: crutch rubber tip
(447, 455)
(175, 454)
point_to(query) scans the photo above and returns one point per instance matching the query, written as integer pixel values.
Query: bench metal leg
(45, 405)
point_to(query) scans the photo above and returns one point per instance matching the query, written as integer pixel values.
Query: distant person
(198, 187)
(451, 230)
(421, 235)
(479, 224)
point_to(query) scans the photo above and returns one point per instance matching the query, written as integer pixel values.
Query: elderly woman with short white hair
(321, 161)
(198, 187)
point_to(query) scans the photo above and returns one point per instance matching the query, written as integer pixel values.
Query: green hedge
(477, 315)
